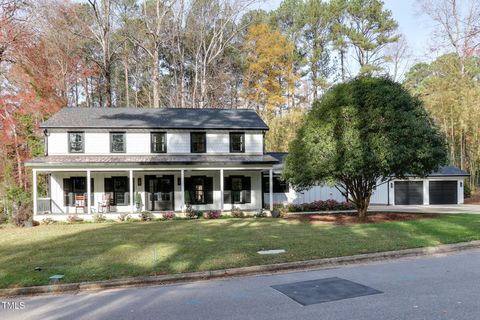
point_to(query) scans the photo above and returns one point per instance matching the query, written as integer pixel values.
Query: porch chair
(80, 203)
(104, 206)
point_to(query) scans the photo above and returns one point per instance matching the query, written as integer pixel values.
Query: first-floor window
(119, 190)
(76, 186)
(199, 190)
(117, 142)
(237, 190)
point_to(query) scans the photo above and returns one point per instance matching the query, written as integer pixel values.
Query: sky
(417, 28)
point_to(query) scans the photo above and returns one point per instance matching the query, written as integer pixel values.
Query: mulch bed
(474, 198)
(350, 218)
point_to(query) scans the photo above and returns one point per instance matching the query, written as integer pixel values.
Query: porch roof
(145, 160)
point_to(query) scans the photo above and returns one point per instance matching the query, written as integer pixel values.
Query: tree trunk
(155, 79)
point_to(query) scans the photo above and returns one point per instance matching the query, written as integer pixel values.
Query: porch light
(139, 182)
(391, 185)
(461, 184)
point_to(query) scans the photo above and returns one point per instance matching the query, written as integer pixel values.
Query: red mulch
(373, 217)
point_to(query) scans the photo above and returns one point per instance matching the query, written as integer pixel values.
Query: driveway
(441, 287)
(459, 208)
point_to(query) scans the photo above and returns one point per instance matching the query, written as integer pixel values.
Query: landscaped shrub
(169, 215)
(74, 218)
(237, 213)
(320, 205)
(212, 214)
(22, 215)
(146, 216)
(99, 217)
(192, 213)
(124, 216)
(276, 213)
(260, 213)
(48, 221)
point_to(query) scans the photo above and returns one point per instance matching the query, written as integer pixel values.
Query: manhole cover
(324, 290)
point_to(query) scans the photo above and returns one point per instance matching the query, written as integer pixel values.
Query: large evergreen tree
(359, 135)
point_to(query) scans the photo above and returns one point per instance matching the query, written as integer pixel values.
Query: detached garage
(443, 192)
(442, 187)
(408, 192)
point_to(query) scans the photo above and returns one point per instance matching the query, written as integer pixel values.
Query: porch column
(89, 191)
(182, 189)
(221, 189)
(34, 187)
(270, 185)
(132, 210)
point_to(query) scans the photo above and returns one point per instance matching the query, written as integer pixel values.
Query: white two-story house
(168, 158)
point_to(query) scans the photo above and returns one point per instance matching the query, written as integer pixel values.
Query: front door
(159, 193)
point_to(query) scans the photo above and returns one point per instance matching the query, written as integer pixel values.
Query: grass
(98, 251)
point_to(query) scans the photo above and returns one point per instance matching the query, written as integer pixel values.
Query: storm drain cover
(324, 290)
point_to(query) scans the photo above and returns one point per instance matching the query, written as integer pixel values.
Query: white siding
(178, 142)
(97, 143)
(138, 143)
(313, 194)
(254, 142)
(218, 142)
(380, 194)
(58, 143)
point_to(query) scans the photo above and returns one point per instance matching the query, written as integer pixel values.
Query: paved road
(444, 287)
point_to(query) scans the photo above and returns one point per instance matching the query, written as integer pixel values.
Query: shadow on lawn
(93, 252)
(115, 250)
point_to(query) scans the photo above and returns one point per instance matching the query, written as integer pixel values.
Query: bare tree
(457, 26)
(398, 56)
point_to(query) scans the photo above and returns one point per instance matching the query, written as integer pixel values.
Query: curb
(204, 275)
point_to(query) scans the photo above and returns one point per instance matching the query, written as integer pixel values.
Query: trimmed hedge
(327, 205)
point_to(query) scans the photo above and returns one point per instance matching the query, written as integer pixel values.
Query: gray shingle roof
(66, 160)
(165, 118)
(445, 171)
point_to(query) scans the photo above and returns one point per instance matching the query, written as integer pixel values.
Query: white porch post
(34, 187)
(182, 189)
(132, 210)
(89, 192)
(270, 185)
(221, 189)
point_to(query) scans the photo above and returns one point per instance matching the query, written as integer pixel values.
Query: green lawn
(96, 251)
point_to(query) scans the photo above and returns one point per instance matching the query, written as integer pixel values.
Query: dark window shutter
(108, 185)
(227, 190)
(108, 188)
(67, 189)
(188, 190)
(92, 192)
(209, 190)
(247, 186)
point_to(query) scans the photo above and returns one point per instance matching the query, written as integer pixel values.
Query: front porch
(113, 191)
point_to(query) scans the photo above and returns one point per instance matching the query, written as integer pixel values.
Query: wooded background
(224, 54)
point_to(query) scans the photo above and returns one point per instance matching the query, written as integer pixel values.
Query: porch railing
(44, 205)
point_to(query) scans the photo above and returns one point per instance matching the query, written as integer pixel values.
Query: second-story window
(159, 142)
(76, 142)
(198, 142)
(237, 142)
(117, 142)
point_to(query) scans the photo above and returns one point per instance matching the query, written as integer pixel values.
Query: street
(440, 287)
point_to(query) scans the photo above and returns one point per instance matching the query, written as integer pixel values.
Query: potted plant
(138, 201)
